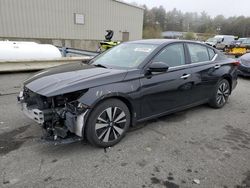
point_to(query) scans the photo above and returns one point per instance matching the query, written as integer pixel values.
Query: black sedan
(244, 68)
(132, 82)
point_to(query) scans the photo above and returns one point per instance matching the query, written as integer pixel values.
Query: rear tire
(108, 123)
(220, 94)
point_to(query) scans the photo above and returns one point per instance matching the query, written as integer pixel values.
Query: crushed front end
(62, 117)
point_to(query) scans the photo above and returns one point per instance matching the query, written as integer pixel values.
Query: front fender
(128, 92)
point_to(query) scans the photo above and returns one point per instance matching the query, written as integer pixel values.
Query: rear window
(198, 53)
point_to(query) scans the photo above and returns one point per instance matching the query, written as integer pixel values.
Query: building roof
(128, 4)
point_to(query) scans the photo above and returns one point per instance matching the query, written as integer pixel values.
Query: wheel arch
(122, 98)
(229, 79)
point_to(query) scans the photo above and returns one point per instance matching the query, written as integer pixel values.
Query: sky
(212, 7)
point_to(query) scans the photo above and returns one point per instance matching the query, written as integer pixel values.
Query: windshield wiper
(100, 65)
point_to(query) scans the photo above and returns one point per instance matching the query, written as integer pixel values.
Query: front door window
(172, 55)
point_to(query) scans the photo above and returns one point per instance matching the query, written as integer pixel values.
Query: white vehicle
(212, 42)
(224, 41)
(15, 50)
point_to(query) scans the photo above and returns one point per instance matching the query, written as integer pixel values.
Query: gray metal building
(72, 23)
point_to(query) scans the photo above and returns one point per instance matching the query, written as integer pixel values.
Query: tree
(152, 32)
(159, 16)
(152, 26)
(157, 20)
(189, 36)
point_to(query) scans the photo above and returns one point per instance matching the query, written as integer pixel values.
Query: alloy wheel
(222, 93)
(110, 124)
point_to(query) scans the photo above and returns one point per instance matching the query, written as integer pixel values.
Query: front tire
(108, 123)
(221, 94)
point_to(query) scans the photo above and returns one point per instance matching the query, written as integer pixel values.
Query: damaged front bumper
(34, 114)
(75, 123)
(60, 125)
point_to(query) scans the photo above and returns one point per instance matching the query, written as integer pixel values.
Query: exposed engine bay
(61, 116)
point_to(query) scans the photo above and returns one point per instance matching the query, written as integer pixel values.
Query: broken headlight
(75, 107)
(69, 102)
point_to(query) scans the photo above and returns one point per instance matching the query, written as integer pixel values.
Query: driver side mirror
(158, 67)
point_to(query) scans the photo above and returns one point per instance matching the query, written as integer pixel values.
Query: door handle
(217, 66)
(185, 76)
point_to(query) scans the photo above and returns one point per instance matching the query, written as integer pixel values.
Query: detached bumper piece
(60, 141)
(35, 114)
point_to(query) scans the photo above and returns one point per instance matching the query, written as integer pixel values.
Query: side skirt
(174, 110)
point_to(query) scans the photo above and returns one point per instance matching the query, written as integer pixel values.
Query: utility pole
(218, 29)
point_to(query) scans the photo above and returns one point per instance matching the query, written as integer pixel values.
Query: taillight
(236, 63)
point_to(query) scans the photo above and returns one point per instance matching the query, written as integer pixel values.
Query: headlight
(81, 106)
(76, 107)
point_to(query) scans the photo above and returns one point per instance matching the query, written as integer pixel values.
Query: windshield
(211, 40)
(241, 39)
(219, 38)
(246, 41)
(127, 55)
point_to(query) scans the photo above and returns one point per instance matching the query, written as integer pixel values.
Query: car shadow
(170, 118)
(83, 145)
(244, 77)
(69, 149)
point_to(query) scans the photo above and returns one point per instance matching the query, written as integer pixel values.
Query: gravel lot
(203, 145)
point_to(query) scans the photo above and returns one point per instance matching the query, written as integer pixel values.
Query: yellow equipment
(240, 49)
(105, 45)
(108, 43)
(237, 51)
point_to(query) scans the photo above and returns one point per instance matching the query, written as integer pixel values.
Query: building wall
(54, 19)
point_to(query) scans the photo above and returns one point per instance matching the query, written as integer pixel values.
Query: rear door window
(198, 53)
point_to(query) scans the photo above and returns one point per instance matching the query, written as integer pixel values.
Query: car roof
(160, 41)
(246, 57)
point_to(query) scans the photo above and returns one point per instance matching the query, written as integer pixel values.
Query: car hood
(245, 60)
(210, 43)
(72, 77)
